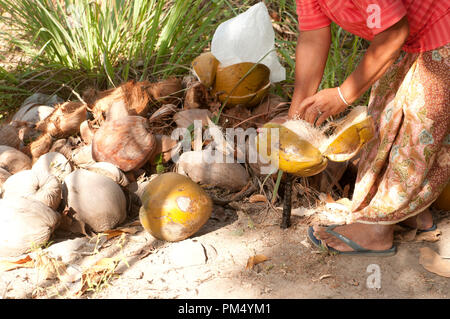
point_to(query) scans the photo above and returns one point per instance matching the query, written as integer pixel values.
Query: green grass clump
(74, 44)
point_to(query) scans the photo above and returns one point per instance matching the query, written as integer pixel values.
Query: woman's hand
(318, 107)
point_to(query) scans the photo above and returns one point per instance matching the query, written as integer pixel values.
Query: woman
(406, 166)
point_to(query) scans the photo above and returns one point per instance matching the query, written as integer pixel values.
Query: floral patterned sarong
(407, 165)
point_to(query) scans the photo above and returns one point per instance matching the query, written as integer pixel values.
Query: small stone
(187, 253)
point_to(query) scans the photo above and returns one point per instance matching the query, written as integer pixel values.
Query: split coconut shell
(205, 67)
(304, 150)
(242, 83)
(174, 207)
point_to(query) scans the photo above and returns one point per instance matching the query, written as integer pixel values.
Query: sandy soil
(212, 264)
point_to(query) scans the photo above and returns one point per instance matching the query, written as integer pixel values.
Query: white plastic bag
(247, 38)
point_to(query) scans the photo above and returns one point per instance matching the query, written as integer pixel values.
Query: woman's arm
(310, 59)
(381, 54)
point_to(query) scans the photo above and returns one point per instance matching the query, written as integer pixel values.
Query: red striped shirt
(429, 20)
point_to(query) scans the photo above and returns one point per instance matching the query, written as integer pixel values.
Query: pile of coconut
(81, 166)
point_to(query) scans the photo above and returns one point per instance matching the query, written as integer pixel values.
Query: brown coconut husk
(196, 96)
(168, 91)
(65, 120)
(39, 147)
(125, 141)
(133, 94)
(164, 113)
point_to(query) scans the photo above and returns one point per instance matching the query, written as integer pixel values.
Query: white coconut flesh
(319, 140)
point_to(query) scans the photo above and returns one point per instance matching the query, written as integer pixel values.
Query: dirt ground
(212, 264)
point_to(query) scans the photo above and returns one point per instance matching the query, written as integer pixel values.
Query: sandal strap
(344, 239)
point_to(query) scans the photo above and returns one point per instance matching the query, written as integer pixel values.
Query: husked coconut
(125, 141)
(33, 113)
(62, 146)
(53, 163)
(204, 170)
(9, 135)
(4, 175)
(95, 199)
(24, 224)
(109, 170)
(86, 132)
(13, 160)
(82, 156)
(36, 107)
(42, 187)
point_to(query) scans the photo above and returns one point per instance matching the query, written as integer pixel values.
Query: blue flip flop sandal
(357, 249)
(432, 228)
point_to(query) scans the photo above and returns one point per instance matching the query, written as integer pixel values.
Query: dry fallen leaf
(6, 265)
(119, 231)
(254, 260)
(98, 274)
(51, 267)
(257, 198)
(434, 263)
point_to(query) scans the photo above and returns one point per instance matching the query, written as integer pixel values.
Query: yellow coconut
(205, 66)
(443, 201)
(304, 150)
(174, 207)
(295, 155)
(355, 131)
(242, 83)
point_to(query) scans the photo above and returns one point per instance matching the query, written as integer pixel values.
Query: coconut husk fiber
(125, 141)
(133, 94)
(65, 120)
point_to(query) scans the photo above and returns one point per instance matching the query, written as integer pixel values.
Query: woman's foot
(422, 221)
(368, 236)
